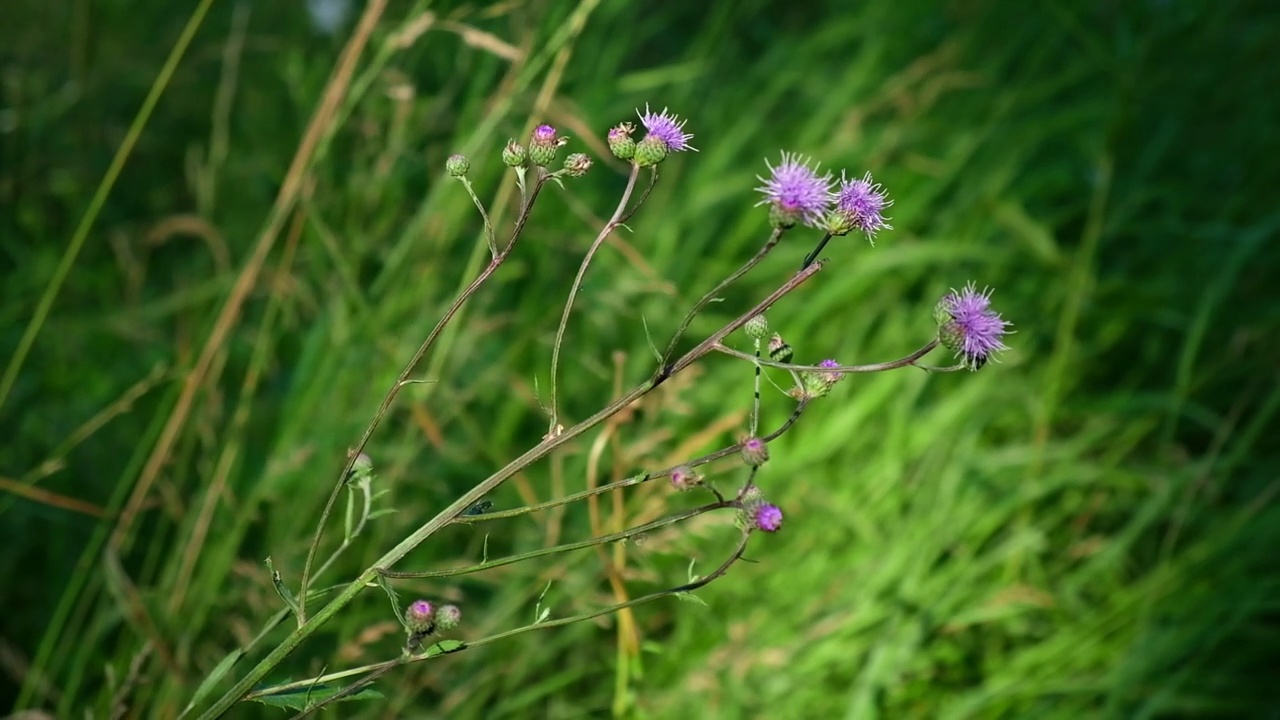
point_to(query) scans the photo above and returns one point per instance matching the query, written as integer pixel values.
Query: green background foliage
(1087, 529)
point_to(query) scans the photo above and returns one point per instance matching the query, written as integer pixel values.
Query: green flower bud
(650, 151)
(457, 165)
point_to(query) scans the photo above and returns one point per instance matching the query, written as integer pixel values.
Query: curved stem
(653, 180)
(354, 687)
(608, 229)
(562, 548)
(633, 480)
(945, 369)
(376, 670)
(488, 227)
(400, 382)
(459, 506)
(770, 244)
(843, 369)
(754, 423)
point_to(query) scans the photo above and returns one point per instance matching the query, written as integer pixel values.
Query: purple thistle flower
(860, 205)
(420, 617)
(666, 127)
(794, 192)
(684, 478)
(831, 378)
(543, 134)
(754, 451)
(969, 327)
(767, 517)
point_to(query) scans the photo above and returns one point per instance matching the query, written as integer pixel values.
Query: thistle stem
(843, 369)
(607, 230)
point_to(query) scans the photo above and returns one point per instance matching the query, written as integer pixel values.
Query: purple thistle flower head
(794, 192)
(754, 451)
(969, 327)
(543, 134)
(860, 205)
(420, 617)
(685, 478)
(666, 127)
(767, 517)
(831, 378)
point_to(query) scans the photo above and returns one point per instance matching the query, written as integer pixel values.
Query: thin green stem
(769, 245)
(446, 516)
(355, 687)
(376, 670)
(628, 482)
(558, 549)
(843, 369)
(754, 422)
(81, 233)
(811, 257)
(607, 230)
(488, 227)
(399, 384)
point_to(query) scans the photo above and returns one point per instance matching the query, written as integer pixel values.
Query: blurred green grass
(1087, 529)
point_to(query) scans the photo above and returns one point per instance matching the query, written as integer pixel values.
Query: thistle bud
(577, 164)
(754, 452)
(457, 165)
(685, 478)
(779, 350)
(420, 617)
(620, 142)
(448, 618)
(514, 155)
(543, 145)
(757, 327)
(650, 151)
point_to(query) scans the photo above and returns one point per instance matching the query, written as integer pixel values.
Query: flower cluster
(423, 618)
(664, 135)
(797, 194)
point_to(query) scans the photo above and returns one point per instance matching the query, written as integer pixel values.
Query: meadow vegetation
(204, 301)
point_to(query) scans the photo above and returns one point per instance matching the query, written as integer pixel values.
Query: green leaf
(302, 698)
(444, 647)
(393, 597)
(219, 671)
(283, 590)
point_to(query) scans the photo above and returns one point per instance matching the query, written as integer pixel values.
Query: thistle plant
(800, 199)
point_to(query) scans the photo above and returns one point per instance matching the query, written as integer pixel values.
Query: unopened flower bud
(685, 478)
(457, 165)
(577, 164)
(650, 151)
(754, 452)
(620, 142)
(514, 155)
(757, 327)
(362, 464)
(779, 350)
(448, 618)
